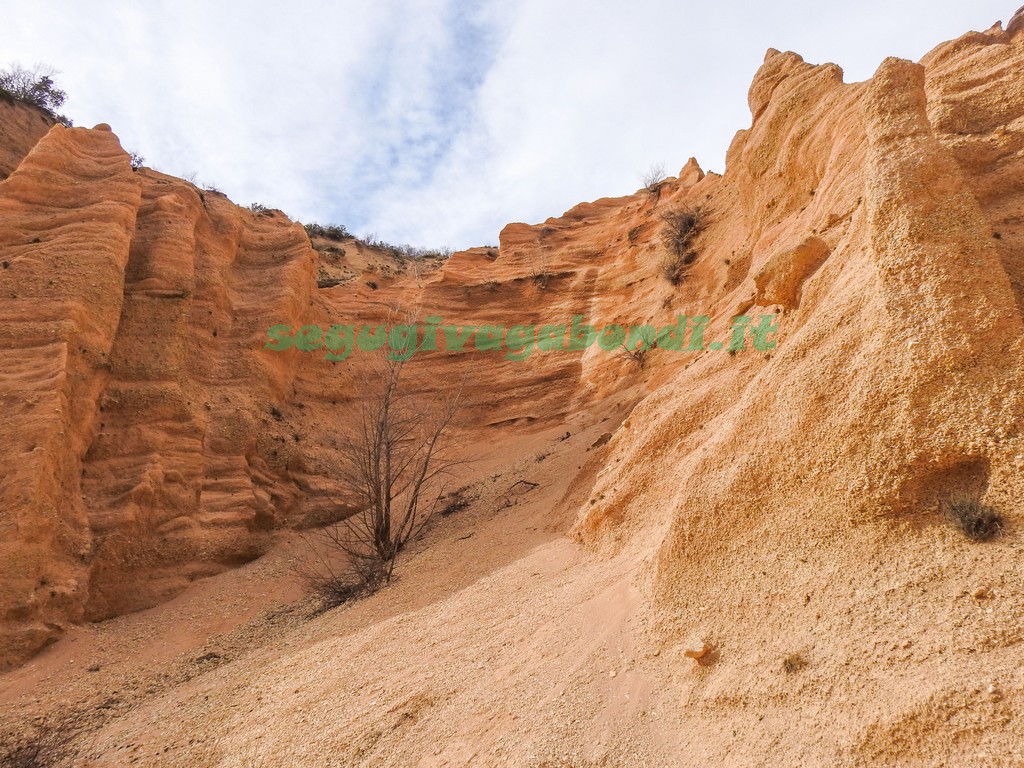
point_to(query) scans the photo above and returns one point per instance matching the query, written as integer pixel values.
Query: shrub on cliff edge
(34, 86)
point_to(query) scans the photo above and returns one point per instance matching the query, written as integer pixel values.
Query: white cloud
(438, 121)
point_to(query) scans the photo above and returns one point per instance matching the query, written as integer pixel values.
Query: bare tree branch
(395, 457)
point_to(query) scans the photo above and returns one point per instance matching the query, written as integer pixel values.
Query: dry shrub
(793, 663)
(978, 521)
(51, 744)
(679, 229)
(653, 179)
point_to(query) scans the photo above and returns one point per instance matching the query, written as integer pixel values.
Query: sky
(437, 122)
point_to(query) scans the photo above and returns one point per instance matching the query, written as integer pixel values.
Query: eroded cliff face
(21, 127)
(895, 263)
(883, 220)
(67, 219)
(149, 438)
(152, 440)
(134, 308)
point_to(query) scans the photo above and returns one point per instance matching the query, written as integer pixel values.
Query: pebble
(701, 651)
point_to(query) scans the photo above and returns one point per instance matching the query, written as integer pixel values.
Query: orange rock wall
(149, 439)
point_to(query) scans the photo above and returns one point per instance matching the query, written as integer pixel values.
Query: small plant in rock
(456, 501)
(978, 521)
(793, 663)
(539, 270)
(679, 229)
(673, 269)
(653, 179)
(636, 356)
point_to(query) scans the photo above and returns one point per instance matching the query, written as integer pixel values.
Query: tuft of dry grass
(979, 522)
(793, 663)
(636, 356)
(51, 744)
(456, 501)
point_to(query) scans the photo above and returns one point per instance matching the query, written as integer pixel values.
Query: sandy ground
(501, 641)
(504, 642)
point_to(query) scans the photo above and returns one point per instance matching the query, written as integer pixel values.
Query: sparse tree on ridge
(34, 86)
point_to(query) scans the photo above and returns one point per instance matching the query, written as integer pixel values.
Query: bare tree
(395, 457)
(653, 179)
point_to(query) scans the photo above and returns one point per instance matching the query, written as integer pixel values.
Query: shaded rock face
(21, 128)
(149, 439)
